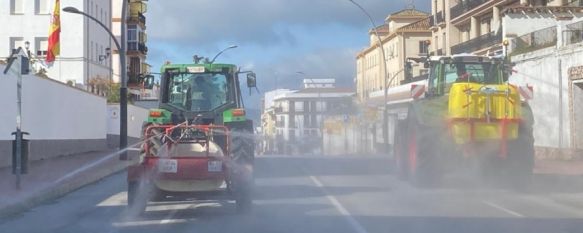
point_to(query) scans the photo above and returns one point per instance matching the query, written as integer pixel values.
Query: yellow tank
(468, 107)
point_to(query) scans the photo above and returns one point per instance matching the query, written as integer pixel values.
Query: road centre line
(499, 207)
(358, 228)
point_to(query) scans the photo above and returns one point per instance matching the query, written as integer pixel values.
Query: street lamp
(385, 74)
(123, 90)
(222, 51)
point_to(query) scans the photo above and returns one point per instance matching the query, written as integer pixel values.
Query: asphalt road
(323, 194)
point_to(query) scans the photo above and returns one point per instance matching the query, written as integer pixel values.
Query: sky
(275, 38)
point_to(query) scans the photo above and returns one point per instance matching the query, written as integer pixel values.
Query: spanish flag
(54, 41)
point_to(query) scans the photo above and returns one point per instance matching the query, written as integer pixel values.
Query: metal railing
(543, 38)
(465, 6)
(574, 33)
(135, 46)
(480, 42)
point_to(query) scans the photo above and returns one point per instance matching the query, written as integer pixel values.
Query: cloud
(324, 63)
(256, 22)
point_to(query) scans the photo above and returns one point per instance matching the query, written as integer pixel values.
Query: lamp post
(222, 51)
(385, 75)
(123, 90)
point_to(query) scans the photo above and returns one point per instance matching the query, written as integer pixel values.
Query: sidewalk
(559, 167)
(49, 179)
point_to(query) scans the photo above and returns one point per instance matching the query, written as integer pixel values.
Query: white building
(546, 43)
(84, 44)
(300, 114)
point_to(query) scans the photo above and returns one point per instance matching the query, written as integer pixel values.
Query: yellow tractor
(465, 115)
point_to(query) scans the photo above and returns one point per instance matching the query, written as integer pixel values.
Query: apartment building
(85, 47)
(139, 85)
(300, 114)
(404, 34)
(475, 26)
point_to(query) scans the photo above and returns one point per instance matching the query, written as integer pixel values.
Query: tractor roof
(466, 57)
(216, 67)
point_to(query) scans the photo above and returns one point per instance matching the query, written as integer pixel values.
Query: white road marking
(353, 223)
(503, 209)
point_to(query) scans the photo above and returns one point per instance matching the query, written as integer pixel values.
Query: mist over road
(319, 194)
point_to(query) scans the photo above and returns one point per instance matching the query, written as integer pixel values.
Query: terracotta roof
(408, 13)
(382, 29)
(421, 25)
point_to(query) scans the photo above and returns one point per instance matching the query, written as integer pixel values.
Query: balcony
(138, 18)
(465, 6)
(574, 33)
(134, 47)
(536, 40)
(478, 43)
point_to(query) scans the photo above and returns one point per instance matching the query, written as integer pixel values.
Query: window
(197, 92)
(423, 49)
(16, 42)
(16, 6)
(41, 46)
(42, 6)
(132, 37)
(299, 106)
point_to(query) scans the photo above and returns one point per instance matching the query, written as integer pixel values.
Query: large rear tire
(422, 149)
(400, 150)
(243, 154)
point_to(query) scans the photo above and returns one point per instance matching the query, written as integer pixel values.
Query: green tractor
(198, 143)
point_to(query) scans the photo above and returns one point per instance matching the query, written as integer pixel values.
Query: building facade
(405, 34)
(475, 26)
(140, 87)
(299, 115)
(84, 45)
(547, 49)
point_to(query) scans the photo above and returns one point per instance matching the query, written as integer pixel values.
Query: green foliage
(112, 93)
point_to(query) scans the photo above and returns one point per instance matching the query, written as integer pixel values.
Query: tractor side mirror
(149, 81)
(251, 80)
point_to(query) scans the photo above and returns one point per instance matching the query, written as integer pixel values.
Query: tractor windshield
(197, 92)
(484, 73)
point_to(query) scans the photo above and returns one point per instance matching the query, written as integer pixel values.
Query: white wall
(51, 110)
(540, 69)
(136, 117)
(77, 61)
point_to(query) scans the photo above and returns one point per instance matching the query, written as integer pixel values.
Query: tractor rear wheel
(243, 154)
(242, 146)
(400, 155)
(423, 149)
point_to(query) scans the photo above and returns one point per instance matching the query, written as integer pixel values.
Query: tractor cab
(204, 92)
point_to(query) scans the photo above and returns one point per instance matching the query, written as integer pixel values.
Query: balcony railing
(481, 42)
(465, 6)
(137, 18)
(536, 40)
(135, 46)
(574, 33)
